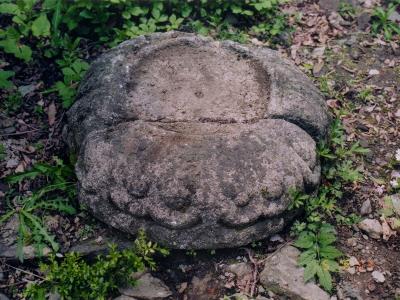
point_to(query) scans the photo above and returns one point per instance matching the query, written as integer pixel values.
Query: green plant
(366, 94)
(346, 10)
(315, 236)
(72, 76)
(5, 83)
(30, 209)
(74, 278)
(26, 22)
(12, 102)
(318, 253)
(381, 22)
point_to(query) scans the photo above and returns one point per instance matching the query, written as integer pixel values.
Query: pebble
(366, 208)
(363, 21)
(372, 227)
(352, 242)
(353, 261)
(355, 53)
(378, 276)
(351, 270)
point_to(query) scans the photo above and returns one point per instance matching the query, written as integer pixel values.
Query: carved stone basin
(195, 141)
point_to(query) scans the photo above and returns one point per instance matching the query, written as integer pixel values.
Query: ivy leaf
(41, 26)
(310, 270)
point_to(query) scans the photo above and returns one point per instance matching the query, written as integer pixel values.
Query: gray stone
(346, 290)
(195, 141)
(283, 276)
(329, 5)
(3, 297)
(372, 227)
(378, 276)
(363, 21)
(239, 269)
(366, 208)
(395, 17)
(148, 288)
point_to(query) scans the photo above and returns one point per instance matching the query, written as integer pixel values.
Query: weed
(13, 102)
(346, 10)
(315, 236)
(74, 278)
(381, 22)
(29, 208)
(366, 94)
(319, 255)
(5, 82)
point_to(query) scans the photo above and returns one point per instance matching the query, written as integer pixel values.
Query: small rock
(12, 163)
(123, 297)
(329, 5)
(239, 269)
(3, 297)
(363, 21)
(276, 238)
(355, 53)
(351, 270)
(395, 17)
(353, 261)
(352, 242)
(283, 276)
(378, 276)
(54, 296)
(26, 89)
(148, 288)
(204, 288)
(372, 227)
(348, 291)
(373, 72)
(366, 208)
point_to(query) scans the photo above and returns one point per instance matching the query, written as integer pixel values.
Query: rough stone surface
(148, 288)
(195, 141)
(372, 227)
(283, 276)
(366, 208)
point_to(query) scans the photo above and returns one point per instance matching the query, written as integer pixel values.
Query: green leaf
(9, 8)
(25, 175)
(13, 46)
(330, 265)
(306, 257)
(325, 278)
(330, 252)
(41, 26)
(306, 240)
(4, 82)
(310, 270)
(22, 233)
(37, 225)
(56, 19)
